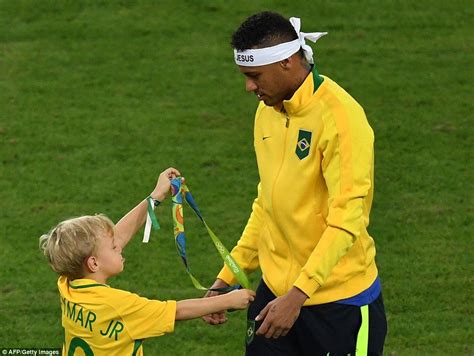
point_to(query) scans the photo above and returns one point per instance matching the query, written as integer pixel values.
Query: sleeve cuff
(227, 276)
(172, 306)
(306, 284)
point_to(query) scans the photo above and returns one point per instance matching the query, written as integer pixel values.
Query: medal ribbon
(179, 190)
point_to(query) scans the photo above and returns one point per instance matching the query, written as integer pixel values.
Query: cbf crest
(304, 143)
(250, 331)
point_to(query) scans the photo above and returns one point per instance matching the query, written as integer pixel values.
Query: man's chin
(268, 101)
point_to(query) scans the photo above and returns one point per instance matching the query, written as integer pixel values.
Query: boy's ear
(92, 264)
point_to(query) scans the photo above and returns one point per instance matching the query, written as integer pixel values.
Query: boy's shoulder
(88, 290)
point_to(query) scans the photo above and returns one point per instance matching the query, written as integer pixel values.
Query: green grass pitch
(97, 97)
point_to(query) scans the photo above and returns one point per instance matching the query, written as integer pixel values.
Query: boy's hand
(215, 318)
(163, 184)
(240, 299)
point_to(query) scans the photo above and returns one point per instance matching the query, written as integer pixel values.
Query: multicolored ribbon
(179, 190)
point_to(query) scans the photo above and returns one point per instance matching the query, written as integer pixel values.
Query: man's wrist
(297, 296)
(219, 283)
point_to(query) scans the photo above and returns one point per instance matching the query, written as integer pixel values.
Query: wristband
(151, 220)
(156, 202)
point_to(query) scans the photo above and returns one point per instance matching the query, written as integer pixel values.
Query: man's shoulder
(334, 91)
(336, 101)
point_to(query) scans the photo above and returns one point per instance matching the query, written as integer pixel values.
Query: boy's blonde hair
(71, 242)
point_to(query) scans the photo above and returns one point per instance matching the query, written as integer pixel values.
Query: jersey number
(77, 342)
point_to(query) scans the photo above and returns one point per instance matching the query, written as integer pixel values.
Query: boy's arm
(127, 227)
(195, 308)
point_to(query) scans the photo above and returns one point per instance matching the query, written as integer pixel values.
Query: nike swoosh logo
(265, 137)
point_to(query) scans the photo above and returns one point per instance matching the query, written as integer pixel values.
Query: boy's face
(109, 256)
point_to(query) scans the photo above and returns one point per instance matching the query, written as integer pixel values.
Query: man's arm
(347, 147)
(127, 227)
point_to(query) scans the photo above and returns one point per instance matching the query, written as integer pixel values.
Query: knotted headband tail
(302, 36)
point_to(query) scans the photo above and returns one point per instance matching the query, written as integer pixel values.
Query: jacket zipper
(288, 241)
(287, 125)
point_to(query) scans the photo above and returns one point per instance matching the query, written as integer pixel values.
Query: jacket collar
(304, 94)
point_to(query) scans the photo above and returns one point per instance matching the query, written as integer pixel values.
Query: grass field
(97, 97)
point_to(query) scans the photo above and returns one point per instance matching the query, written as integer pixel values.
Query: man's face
(269, 82)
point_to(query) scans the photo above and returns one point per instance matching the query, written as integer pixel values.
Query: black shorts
(325, 329)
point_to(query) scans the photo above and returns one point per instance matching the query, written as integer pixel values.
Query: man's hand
(280, 314)
(215, 318)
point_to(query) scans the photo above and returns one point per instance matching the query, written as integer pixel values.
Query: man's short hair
(261, 30)
(68, 245)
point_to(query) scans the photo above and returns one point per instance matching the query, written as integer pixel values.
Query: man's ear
(286, 63)
(92, 264)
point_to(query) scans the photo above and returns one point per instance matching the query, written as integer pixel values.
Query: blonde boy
(98, 319)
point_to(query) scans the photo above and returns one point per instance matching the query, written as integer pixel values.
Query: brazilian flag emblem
(250, 331)
(304, 144)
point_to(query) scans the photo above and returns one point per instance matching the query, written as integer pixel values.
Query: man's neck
(300, 77)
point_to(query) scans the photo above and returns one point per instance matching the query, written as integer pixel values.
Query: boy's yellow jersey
(100, 320)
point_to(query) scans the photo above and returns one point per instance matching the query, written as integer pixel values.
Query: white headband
(268, 55)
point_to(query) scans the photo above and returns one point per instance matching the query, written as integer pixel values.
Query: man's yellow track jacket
(308, 226)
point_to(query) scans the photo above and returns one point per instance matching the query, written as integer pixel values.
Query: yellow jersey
(100, 320)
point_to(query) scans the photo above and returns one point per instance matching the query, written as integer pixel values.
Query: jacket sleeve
(246, 251)
(346, 147)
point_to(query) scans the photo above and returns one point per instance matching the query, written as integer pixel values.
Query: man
(320, 292)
